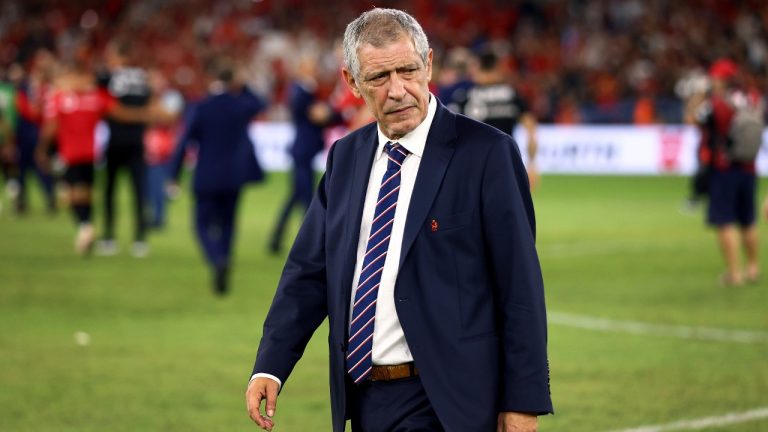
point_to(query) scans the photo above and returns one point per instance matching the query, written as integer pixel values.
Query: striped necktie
(364, 309)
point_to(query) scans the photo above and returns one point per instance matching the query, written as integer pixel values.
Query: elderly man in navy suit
(419, 247)
(218, 125)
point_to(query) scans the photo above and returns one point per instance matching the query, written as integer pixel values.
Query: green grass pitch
(166, 355)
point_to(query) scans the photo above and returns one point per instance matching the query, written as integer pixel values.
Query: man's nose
(396, 87)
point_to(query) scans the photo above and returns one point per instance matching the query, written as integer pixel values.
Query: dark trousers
(302, 189)
(392, 406)
(157, 175)
(27, 164)
(215, 224)
(132, 158)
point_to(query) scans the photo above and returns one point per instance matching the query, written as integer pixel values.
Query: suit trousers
(215, 224)
(302, 189)
(392, 406)
(26, 164)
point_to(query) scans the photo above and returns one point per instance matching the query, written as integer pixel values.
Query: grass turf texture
(166, 355)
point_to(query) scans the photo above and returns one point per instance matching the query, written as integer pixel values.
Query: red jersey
(158, 145)
(77, 114)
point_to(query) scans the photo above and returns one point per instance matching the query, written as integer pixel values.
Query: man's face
(393, 81)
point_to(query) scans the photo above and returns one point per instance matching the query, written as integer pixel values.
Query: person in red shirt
(732, 181)
(72, 111)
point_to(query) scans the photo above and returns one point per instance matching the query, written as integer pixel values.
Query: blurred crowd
(575, 61)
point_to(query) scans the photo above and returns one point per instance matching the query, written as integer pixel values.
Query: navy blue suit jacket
(219, 126)
(309, 136)
(469, 293)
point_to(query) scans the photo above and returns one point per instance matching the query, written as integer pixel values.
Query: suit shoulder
(350, 140)
(205, 104)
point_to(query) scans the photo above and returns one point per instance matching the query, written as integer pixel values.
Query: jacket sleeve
(300, 303)
(509, 231)
(189, 133)
(253, 103)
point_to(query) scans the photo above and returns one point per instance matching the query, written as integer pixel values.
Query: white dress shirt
(389, 344)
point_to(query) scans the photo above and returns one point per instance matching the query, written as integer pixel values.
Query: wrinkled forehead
(394, 53)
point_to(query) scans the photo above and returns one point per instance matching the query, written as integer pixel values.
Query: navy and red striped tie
(364, 309)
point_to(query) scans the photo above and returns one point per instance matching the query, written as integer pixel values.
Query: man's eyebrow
(378, 73)
(409, 66)
(375, 74)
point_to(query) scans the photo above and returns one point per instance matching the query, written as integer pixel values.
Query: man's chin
(399, 130)
(404, 126)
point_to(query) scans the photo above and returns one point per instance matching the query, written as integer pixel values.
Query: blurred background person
(128, 83)
(6, 143)
(693, 88)
(309, 115)
(73, 109)
(30, 96)
(218, 127)
(159, 144)
(491, 99)
(6, 134)
(731, 119)
(8, 167)
(453, 78)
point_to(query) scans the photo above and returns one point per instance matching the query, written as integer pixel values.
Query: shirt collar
(415, 140)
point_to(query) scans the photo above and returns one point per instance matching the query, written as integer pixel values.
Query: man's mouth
(399, 110)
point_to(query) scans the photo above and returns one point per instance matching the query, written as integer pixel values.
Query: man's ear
(429, 65)
(350, 79)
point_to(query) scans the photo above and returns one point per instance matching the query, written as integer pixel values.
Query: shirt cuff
(266, 375)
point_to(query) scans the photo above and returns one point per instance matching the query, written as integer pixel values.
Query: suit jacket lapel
(437, 155)
(365, 147)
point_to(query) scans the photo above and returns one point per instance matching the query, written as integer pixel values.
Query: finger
(253, 401)
(254, 396)
(271, 399)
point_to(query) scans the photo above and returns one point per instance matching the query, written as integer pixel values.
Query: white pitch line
(636, 327)
(703, 423)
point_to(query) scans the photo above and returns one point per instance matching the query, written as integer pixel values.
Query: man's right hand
(262, 389)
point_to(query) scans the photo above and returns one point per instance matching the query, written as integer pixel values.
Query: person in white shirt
(419, 247)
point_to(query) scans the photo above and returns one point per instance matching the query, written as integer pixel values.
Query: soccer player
(71, 114)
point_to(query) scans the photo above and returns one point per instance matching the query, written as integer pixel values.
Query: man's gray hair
(379, 27)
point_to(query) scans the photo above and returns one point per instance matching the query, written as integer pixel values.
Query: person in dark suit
(309, 116)
(225, 162)
(419, 247)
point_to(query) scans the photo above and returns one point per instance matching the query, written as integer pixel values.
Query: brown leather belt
(393, 372)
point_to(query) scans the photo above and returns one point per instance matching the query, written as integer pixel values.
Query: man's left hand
(517, 422)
